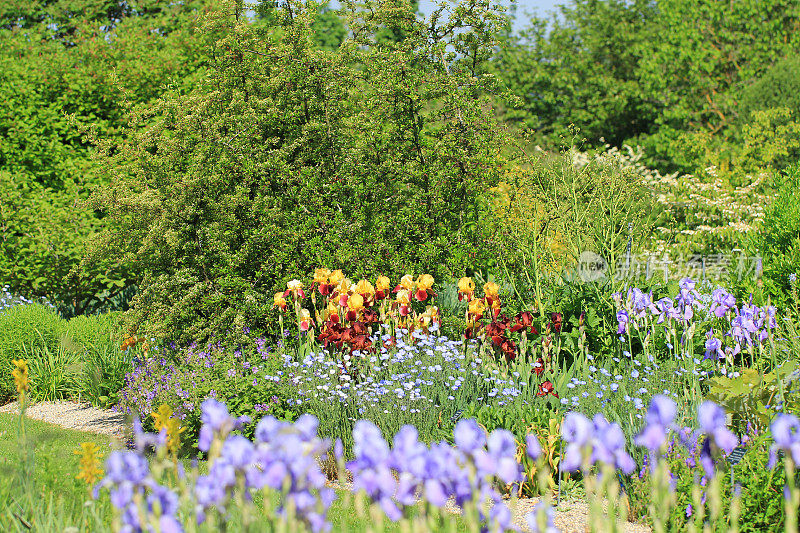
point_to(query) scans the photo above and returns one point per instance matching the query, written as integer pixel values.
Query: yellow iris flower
(425, 282)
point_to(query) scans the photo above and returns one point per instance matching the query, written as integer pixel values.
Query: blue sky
(540, 7)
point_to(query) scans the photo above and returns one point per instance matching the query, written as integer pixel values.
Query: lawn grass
(57, 499)
(55, 467)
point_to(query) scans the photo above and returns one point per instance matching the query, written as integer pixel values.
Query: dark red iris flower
(546, 388)
(539, 367)
(497, 327)
(509, 348)
(524, 320)
(371, 316)
(555, 321)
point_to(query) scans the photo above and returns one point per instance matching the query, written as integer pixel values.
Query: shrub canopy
(372, 157)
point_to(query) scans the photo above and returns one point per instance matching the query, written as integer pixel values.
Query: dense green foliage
(777, 243)
(651, 72)
(20, 327)
(71, 70)
(288, 157)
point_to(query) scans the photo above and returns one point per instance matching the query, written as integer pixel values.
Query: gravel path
(569, 517)
(74, 415)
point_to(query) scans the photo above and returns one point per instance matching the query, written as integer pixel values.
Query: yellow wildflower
(321, 276)
(407, 282)
(20, 373)
(336, 276)
(491, 290)
(163, 419)
(365, 289)
(355, 302)
(279, 300)
(476, 308)
(425, 282)
(90, 470)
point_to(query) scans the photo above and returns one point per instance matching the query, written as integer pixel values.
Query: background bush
(777, 243)
(25, 327)
(77, 359)
(71, 70)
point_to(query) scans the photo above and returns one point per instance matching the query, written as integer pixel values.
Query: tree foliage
(371, 157)
(650, 71)
(70, 70)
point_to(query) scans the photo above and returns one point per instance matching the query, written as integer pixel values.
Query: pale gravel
(74, 415)
(569, 516)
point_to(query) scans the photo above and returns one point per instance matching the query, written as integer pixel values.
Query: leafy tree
(778, 87)
(370, 158)
(581, 67)
(70, 70)
(700, 56)
(328, 28)
(651, 71)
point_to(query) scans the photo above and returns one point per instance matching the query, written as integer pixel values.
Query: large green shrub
(648, 72)
(777, 243)
(92, 331)
(372, 157)
(24, 327)
(779, 86)
(71, 69)
(78, 358)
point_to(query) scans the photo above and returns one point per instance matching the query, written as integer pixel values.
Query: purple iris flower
(469, 436)
(166, 499)
(609, 445)
(660, 419)
(216, 421)
(713, 425)
(577, 431)
(532, 447)
(665, 309)
(786, 434)
(639, 301)
(127, 466)
(622, 319)
(713, 347)
(721, 302)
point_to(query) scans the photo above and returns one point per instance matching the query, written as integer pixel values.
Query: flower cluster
(350, 312)
(420, 371)
(594, 441)
(90, 470)
(744, 326)
(286, 458)
(8, 300)
(140, 500)
(21, 378)
(183, 378)
(394, 477)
